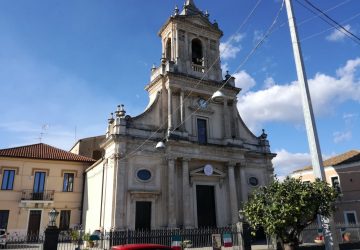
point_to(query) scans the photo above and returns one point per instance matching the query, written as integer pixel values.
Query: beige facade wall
(20, 205)
(349, 179)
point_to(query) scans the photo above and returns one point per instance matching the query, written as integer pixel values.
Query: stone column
(119, 211)
(244, 184)
(232, 193)
(234, 117)
(170, 123)
(171, 193)
(226, 120)
(182, 111)
(186, 194)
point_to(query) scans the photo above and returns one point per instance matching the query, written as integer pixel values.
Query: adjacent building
(35, 179)
(188, 160)
(342, 172)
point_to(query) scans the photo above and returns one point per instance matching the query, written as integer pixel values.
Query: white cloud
(224, 67)
(342, 136)
(338, 35)
(283, 102)
(286, 162)
(269, 82)
(231, 47)
(349, 118)
(258, 36)
(244, 81)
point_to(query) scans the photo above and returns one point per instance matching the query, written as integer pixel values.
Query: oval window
(144, 174)
(253, 181)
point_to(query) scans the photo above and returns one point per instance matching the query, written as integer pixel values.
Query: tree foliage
(285, 208)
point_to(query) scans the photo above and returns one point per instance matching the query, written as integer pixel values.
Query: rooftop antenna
(75, 135)
(44, 128)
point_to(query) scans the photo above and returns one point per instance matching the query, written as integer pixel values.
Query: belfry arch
(197, 51)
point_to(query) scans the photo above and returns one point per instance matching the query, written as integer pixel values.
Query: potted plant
(88, 241)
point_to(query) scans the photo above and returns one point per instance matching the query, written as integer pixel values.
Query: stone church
(188, 160)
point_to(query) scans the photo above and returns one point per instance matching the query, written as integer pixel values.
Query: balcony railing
(198, 68)
(30, 195)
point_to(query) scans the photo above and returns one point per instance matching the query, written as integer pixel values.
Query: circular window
(253, 181)
(144, 174)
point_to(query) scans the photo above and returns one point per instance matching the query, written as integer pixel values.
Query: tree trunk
(289, 246)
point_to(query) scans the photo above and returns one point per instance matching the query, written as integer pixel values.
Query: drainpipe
(82, 198)
(102, 194)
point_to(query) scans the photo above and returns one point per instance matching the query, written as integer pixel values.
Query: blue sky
(65, 65)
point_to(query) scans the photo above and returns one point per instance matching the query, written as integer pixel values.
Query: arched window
(197, 51)
(168, 50)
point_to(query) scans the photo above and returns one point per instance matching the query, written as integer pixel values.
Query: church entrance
(143, 215)
(205, 199)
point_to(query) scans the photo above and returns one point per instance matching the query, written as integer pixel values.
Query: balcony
(30, 195)
(198, 68)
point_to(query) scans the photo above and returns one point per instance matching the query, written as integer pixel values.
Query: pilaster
(232, 193)
(171, 193)
(186, 193)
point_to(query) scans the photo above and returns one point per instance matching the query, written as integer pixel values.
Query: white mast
(313, 139)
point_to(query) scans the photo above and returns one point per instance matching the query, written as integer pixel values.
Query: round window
(253, 181)
(144, 174)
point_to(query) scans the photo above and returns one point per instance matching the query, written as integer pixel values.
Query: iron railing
(31, 195)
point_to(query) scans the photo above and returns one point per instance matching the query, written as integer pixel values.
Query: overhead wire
(285, 23)
(330, 21)
(267, 33)
(249, 55)
(200, 80)
(331, 28)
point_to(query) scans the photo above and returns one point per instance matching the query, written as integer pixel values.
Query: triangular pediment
(201, 172)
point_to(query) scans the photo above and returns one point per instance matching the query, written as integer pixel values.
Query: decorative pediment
(201, 172)
(207, 172)
(199, 110)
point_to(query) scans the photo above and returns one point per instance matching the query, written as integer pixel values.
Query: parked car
(141, 247)
(3, 236)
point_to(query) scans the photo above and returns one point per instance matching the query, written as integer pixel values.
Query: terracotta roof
(348, 157)
(44, 152)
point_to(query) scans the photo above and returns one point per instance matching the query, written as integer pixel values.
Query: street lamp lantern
(53, 214)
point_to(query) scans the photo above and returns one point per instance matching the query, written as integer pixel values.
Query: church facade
(188, 160)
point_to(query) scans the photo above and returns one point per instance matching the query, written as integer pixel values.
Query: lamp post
(52, 232)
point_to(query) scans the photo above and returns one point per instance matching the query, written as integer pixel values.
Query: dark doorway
(205, 200)
(34, 225)
(260, 237)
(143, 215)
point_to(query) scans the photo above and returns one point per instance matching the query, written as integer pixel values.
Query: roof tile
(43, 151)
(347, 157)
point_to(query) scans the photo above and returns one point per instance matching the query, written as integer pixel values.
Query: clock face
(202, 103)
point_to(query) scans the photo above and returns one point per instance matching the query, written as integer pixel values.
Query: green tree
(285, 208)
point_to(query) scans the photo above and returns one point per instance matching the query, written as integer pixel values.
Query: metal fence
(314, 230)
(198, 238)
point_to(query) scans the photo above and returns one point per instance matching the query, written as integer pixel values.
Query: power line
(269, 31)
(335, 22)
(326, 18)
(311, 18)
(266, 35)
(331, 28)
(202, 78)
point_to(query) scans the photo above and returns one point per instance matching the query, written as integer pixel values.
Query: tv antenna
(44, 128)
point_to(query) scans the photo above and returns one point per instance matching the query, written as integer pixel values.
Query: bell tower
(190, 42)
